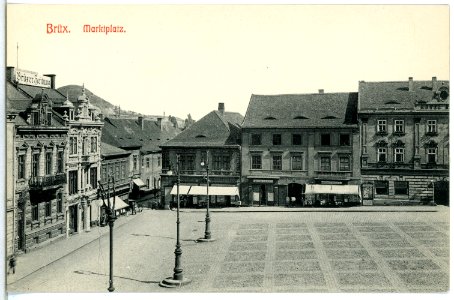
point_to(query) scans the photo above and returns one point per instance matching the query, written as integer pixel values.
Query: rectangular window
(117, 171)
(399, 155)
(325, 139)
(401, 187)
(94, 144)
(85, 146)
(277, 139)
(94, 177)
(296, 139)
(159, 161)
(60, 162)
(399, 126)
(277, 162)
(165, 160)
(432, 156)
(325, 163)
(123, 170)
(381, 187)
(297, 162)
(73, 145)
(256, 139)
(48, 163)
(49, 119)
(143, 162)
(35, 118)
(59, 203)
(432, 126)
(187, 162)
(104, 174)
(344, 139)
(35, 211)
(381, 126)
(135, 162)
(381, 155)
(72, 182)
(148, 162)
(48, 208)
(344, 163)
(256, 160)
(35, 164)
(21, 166)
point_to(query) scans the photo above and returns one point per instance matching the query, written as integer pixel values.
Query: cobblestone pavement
(267, 252)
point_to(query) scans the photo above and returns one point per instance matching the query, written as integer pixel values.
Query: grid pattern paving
(325, 257)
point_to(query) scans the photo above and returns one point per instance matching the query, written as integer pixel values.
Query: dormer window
(329, 117)
(35, 118)
(49, 119)
(200, 136)
(270, 118)
(300, 118)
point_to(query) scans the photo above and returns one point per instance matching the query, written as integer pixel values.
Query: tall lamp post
(207, 237)
(178, 279)
(110, 211)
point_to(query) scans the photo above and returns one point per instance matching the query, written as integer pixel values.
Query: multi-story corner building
(83, 164)
(213, 140)
(115, 165)
(10, 185)
(142, 138)
(300, 147)
(404, 139)
(39, 178)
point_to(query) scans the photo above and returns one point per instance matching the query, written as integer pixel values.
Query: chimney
(52, 80)
(159, 121)
(140, 120)
(10, 74)
(410, 84)
(221, 108)
(434, 83)
(321, 91)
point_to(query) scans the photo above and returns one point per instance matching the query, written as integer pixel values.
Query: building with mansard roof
(300, 149)
(404, 140)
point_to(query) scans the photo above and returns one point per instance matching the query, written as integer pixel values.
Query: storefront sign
(32, 78)
(331, 182)
(263, 181)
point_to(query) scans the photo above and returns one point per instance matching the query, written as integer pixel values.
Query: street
(320, 251)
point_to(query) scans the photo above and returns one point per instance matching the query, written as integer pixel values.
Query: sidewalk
(36, 259)
(243, 209)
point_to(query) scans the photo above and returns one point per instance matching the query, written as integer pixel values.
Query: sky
(181, 59)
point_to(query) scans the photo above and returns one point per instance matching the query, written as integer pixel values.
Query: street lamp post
(178, 279)
(110, 211)
(207, 237)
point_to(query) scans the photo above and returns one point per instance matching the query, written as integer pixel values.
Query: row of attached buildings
(388, 142)
(60, 149)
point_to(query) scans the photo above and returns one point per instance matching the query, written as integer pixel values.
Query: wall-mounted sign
(32, 78)
(367, 191)
(263, 181)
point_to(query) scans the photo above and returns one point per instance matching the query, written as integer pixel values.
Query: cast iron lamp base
(173, 283)
(203, 240)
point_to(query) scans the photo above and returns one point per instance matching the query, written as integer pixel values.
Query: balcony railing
(43, 182)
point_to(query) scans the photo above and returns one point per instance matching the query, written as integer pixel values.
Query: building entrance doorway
(262, 194)
(20, 231)
(441, 192)
(295, 191)
(73, 219)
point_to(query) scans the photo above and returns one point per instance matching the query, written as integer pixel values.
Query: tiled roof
(127, 133)
(213, 130)
(395, 95)
(109, 150)
(327, 110)
(53, 94)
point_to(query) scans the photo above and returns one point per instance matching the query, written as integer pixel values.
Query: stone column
(79, 218)
(86, 213)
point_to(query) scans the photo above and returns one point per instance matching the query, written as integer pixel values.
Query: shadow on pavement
(94, 273)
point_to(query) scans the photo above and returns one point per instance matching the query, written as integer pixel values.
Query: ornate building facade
(404, 140)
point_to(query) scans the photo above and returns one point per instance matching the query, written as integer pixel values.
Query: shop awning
(214, 190)
(184, 189)
(138, 182)
(332, 189)
(119, 203)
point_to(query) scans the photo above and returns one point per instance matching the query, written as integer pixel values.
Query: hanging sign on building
(32, 78)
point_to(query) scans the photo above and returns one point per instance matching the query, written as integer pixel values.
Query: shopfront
(332, 195)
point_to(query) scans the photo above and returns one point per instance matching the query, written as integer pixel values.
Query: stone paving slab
(308, 255)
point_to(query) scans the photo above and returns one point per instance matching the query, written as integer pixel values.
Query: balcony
(47, 182)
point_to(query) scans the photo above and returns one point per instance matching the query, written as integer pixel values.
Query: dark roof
(109, 150)
(395, 95)
(126, 133)
(213, 130)
(16, 100)
(302, 111)
(53, 94)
